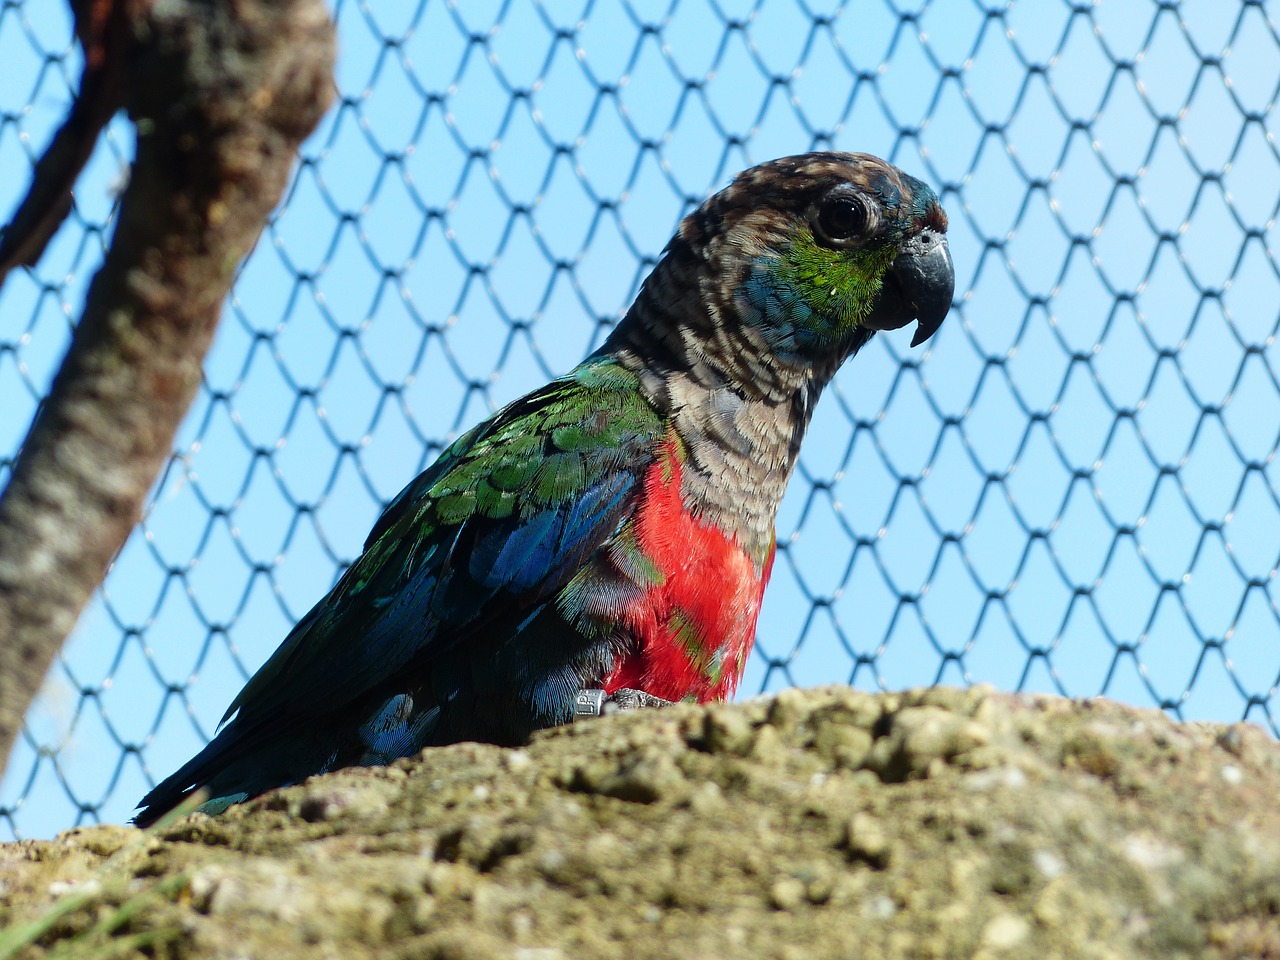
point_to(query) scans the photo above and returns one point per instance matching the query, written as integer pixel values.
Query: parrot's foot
(596, 703)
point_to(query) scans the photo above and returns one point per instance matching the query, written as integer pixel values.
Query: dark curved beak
(918, 286)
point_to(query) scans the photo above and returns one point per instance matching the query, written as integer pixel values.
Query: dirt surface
(814, 824)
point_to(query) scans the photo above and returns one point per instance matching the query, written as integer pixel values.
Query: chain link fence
(1073, 489)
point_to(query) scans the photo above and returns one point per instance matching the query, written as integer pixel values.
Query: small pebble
(787, 893)
(1048, 863)
(517, 760)
(879, 908)
(865, 840)
(1004, 932)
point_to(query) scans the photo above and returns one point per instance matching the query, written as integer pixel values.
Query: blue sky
(1070, 489)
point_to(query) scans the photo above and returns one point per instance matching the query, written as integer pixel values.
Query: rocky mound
(814, 824)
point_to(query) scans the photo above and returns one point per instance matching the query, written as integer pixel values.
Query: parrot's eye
(844, 216)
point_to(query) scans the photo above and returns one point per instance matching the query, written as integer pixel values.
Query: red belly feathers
(695, 628)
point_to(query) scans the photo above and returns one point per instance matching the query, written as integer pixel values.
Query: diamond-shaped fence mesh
(1072, 489)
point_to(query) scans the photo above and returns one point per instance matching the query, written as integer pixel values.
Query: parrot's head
(805, 257)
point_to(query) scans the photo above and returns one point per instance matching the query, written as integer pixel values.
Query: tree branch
(221, 94)
(100, 24)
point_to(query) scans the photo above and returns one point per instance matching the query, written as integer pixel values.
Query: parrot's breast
(695, 624)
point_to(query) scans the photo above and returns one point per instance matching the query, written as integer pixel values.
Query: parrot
(603, 542)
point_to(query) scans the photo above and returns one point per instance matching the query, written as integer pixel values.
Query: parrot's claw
(595, 703)
(628, 699)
